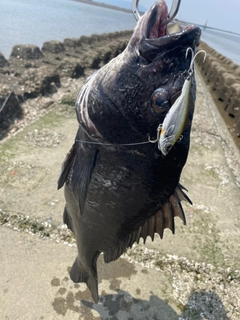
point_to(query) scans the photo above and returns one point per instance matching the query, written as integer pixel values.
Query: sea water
(225, 43)
(36, 21)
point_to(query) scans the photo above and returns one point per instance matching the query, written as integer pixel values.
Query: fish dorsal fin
(164, 218)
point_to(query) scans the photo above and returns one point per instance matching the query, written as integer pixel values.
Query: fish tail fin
(90, 277)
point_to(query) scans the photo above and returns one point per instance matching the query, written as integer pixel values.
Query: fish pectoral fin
(77, 171)
(66, 166)
(164, 218)
(80, 181)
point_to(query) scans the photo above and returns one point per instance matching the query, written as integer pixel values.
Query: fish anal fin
(151, 227)
(173, 208)
(182, 195)
(159, 223)
(138, 235)
(164, 218)
(66, 166)
(144, 232)
(177, 209)
(168, 216)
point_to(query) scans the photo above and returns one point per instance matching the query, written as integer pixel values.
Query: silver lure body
(174, 122)
(170, 131)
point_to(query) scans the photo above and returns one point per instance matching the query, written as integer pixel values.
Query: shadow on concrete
(121, 305)
(200, 305)
(204, 305)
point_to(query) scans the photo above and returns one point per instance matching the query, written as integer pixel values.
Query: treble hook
(190, 70)
(172, 13)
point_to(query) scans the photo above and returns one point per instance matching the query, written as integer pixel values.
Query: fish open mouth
(156, 24)
(153, 32)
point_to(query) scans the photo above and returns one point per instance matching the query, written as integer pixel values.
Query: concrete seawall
(30, 72)
(222, 76)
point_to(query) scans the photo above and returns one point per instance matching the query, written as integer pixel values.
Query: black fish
(118, 186)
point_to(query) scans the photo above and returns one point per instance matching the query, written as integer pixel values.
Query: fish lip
(190, 33)
(149, 49)
(154, 21)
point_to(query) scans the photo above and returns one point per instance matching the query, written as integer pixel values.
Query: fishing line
(114, 145)
(5, 101)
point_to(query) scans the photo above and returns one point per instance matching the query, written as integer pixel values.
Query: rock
(103, 37)
(223, 89)
(72, 42)
(217, 72)
(11, 111)
(233, 65)
(237, 71)
(95, 38)
(41, 81)
(53, 46)
(50, 83)
(85, 40)
(91, 60)
(70, 68)
(105, 54)
(3, 61)
(223, 76)
(207, 64)
(26, 51)
(233, 107)
(35, 75)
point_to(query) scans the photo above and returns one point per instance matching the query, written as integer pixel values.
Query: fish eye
(159, 100)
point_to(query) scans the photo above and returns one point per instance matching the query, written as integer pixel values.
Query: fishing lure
(169, 132)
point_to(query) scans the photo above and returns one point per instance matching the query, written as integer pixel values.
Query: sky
(221, 14)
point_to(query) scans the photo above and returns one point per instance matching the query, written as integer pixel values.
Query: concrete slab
(192, 275)
(36, 285)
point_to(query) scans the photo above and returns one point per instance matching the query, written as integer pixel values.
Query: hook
(190, 70)
(135, 9)
(172, 13)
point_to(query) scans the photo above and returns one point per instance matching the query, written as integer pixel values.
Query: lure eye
(159, 100)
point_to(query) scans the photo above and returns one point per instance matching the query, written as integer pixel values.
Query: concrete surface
(191, 275)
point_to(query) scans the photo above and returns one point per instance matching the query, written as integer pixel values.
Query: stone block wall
(223, 77)
(31, 72)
